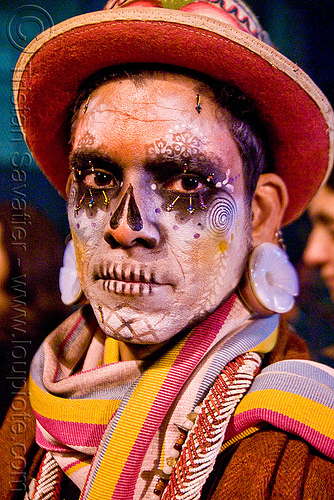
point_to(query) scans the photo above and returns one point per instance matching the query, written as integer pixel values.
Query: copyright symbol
(27, 23)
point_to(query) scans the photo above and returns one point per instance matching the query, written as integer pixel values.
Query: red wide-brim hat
(297, 116)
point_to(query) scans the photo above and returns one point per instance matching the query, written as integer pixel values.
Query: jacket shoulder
(271, 464)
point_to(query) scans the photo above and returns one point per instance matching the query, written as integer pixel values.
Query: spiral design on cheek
(222, 215)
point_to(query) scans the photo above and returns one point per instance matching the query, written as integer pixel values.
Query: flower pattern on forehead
(184, 144)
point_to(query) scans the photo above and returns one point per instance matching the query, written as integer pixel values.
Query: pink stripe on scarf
(190, 355)
(249, 418)
(71, 433)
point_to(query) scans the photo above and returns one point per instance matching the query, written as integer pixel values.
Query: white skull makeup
(156, 208)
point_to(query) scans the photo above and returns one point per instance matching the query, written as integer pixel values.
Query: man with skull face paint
(175, 379)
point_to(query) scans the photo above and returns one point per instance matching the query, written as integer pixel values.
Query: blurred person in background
(316, 301)
(30, 258)
(319, 251)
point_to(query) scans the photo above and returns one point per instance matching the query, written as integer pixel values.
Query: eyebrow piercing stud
(198, 104)
(79, 204)
(86, 105)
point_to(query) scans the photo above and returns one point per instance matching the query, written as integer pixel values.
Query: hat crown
(234, 12)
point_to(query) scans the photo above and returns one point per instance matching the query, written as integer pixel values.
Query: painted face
(319, 251)
(156, 207)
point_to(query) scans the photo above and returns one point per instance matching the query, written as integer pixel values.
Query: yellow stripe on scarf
(130, 424)
(92, 411)
(268, 344)
(111, 351)
(77, 466)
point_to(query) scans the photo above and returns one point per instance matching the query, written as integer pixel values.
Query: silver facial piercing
(91, 201)
(106, 200)
(190, 209)
(79, 204)
(198, 103)
(170, 206)
(203, 205)
(280, 239)
(76, 172)
(86, 105)
(99, 308)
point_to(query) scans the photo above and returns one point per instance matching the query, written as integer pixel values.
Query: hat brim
(297, 116)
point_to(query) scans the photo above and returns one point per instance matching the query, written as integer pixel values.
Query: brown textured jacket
(270, 464)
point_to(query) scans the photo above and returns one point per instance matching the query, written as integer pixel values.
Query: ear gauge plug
(269, 283)
(69, 285)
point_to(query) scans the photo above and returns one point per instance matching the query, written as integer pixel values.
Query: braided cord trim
(204, 440)
(48, 481)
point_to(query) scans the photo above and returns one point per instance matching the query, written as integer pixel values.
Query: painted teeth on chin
(126, 273)
(118, 271)
(122, 288)
(136, 274)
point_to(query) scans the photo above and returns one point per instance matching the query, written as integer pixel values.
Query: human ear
(269, 282)
(268, 206)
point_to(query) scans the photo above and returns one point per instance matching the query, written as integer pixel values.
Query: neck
(128, 352)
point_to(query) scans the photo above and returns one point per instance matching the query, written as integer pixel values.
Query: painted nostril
(134, 219)
(117, 215)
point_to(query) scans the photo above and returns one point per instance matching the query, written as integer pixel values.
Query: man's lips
(126, 279)
(127, 288)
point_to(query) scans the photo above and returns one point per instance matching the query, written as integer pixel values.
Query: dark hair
(238, 111)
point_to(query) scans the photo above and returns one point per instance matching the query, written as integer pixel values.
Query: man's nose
(318, 249)
(128, 226)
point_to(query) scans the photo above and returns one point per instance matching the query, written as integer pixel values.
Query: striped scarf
(108, 424)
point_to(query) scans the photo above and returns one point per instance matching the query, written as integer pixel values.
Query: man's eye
(98, 179)
(186, 184)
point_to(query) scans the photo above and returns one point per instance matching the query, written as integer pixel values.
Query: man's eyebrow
(322, 218)
(169, 163)
(82, 156)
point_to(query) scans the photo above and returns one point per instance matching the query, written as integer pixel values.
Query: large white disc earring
(69, 285)
(270, 281)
